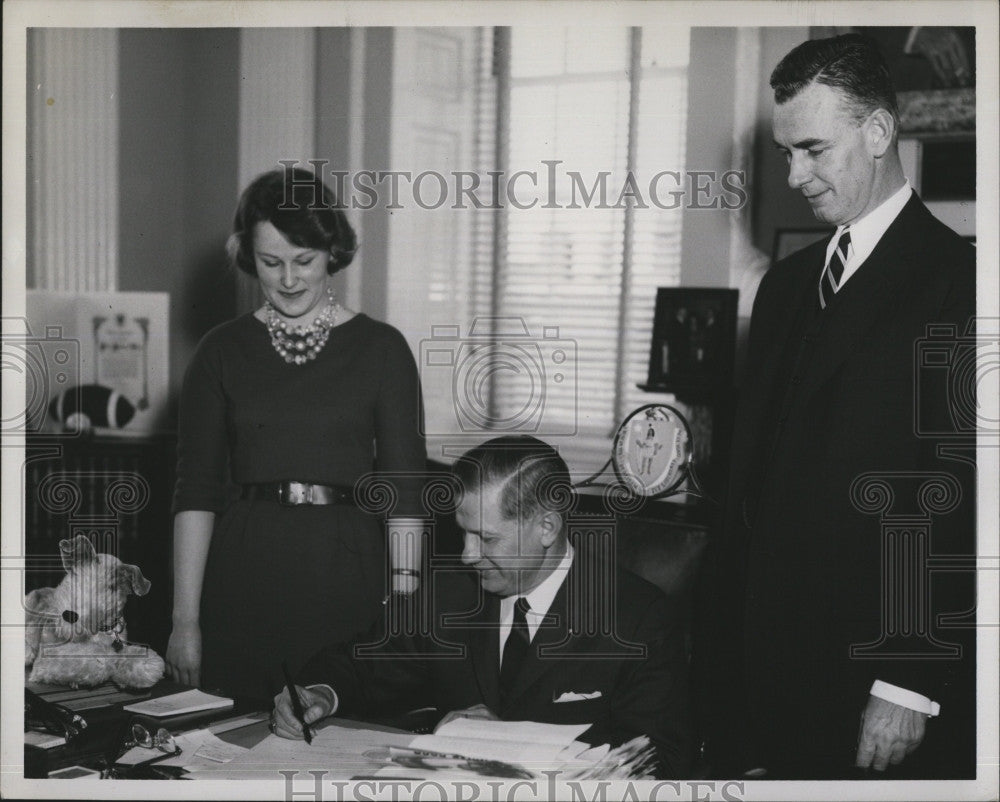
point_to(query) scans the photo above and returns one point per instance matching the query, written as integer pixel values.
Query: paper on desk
(516, 731)
(176, 703)
(189, 742)
(594, 754)
(43, 740)
(343, 751)
(236, 722)
(201, 748)
(532, 756)
(531, 744)
(219, 751)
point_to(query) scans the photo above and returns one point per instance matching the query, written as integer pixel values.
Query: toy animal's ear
(129, 576)
(77, 552)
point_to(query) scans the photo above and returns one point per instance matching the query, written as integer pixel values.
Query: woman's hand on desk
(184, 655)
(318, 702)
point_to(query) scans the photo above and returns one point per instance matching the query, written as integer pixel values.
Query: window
(569, 282)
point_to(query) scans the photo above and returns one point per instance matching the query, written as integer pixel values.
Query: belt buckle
(293, 493)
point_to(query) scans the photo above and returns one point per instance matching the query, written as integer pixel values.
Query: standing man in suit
(814, 679)
(539, 630)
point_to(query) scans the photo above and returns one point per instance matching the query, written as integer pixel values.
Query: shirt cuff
(904, 698)
(333, 693)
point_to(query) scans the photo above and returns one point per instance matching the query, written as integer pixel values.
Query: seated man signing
(539, 631)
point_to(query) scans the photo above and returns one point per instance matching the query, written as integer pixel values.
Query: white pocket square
(570, 696)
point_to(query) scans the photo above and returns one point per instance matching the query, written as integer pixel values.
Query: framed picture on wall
(694, 341)
(113, 378)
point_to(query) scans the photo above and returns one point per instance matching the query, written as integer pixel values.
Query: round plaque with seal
(652, 450)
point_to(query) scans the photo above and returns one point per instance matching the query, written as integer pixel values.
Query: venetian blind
(579, 270)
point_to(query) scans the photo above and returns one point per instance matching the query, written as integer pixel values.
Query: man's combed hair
(533, 475)
(851, 63)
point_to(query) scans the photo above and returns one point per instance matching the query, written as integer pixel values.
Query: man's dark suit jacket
(828, 396)
(620, 639)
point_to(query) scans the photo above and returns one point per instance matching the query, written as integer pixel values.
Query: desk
(343, 749)
(107, 728)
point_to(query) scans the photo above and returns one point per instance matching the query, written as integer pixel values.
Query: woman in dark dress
(295, 400)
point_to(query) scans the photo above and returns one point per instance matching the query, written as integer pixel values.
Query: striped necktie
(829, 282)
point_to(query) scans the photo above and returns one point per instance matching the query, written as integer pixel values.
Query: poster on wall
(115, 378)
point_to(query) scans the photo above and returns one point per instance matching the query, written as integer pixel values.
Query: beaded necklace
(300, 344)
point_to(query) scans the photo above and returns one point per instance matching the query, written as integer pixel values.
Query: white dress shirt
(866, 232)
(540, 600)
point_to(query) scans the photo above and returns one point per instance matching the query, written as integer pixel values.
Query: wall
(712, 75)
(336, 99)
(179, 95)
(180, 140)
(376, 155)
(705, 245)
(191, 102)
(730, 106)
(72, 159)
(775, 205)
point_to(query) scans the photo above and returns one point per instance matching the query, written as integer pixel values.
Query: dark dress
(283, 580)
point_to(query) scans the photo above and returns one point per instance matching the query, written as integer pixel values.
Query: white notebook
(176, 703)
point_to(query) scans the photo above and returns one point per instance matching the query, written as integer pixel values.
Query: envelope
(570, 696)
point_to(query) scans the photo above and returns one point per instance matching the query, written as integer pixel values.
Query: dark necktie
(516, 647)
(829, 282)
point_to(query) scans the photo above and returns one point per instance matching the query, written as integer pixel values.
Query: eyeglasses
(161, 740)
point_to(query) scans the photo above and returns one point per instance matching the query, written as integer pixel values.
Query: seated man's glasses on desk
(142, 738)
(535, 630)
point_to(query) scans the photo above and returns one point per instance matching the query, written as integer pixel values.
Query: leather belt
(292, 493)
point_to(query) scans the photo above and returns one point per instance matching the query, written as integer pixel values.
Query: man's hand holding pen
(317, 703)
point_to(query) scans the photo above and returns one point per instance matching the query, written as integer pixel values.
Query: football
(102, 406)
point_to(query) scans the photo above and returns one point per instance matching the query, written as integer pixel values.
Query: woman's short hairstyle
(851, 63)
(533, 475)
(302, 208)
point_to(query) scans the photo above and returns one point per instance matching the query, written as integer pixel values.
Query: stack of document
(519, 749)
(515, 749)
(634, 760)
(465, 748)
(176, 704)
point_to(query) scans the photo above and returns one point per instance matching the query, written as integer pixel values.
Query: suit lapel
(866, 299)
(484, 645)
(783, 322)
(551, 631)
